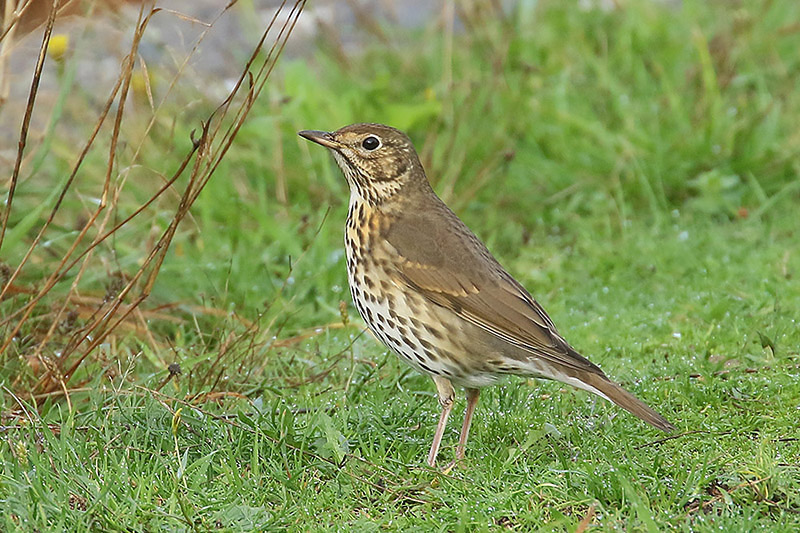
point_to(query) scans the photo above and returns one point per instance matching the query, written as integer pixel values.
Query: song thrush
(432, 292)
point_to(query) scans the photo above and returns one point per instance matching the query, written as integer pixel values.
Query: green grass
(636, 169)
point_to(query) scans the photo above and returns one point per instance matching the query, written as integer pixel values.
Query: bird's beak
(320, 137)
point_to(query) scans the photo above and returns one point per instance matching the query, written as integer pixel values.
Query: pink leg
(472, 402)
(446, 395)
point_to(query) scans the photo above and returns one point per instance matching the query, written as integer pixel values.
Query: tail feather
(601, 385)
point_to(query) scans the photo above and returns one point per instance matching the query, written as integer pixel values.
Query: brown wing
(442, 259)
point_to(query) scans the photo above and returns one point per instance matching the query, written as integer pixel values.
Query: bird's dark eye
(371, 143)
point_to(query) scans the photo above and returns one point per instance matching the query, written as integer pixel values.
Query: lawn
(637, 168)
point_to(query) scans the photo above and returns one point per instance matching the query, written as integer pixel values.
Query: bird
(430, 290)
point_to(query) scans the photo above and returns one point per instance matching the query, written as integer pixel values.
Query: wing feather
(453, 269)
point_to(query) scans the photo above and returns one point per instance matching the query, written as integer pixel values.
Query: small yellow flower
(57, 47)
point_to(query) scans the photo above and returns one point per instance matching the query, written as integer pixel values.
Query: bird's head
(377, 160)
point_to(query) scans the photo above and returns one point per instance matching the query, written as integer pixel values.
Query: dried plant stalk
(209, 145)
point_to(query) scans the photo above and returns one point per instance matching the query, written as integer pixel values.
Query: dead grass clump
(71, 283)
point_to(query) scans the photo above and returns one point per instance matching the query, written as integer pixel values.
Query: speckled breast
(422, 334)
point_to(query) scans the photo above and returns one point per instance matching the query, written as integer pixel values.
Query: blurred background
(635, 164)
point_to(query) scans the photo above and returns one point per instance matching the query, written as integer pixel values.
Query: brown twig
(26, 121)
(200, 163)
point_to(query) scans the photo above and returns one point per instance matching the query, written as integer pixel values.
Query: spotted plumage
(430, 290)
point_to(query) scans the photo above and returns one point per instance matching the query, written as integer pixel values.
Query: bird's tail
(600, 384)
